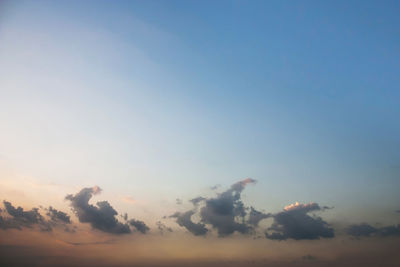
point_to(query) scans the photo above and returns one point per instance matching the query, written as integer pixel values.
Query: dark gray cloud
(20, 218)
(256, 216)
(29, 217)
(366, 230)
(101, 217)
(139, 225)
(226, 212)
(295, 223)
(184, 219)
(58, 216)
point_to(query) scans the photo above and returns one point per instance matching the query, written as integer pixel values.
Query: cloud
(256, 216)
(162, 228)
(28, 217)
(178, 201)
(7, 223)
(20, 218)
(139, 225)
(393, 230)
(226, 212)
(215, 187)
(295, 223)
(101, 217)
(197, 200)
(366, 230)
(56, 215)
(362, 229)
(239, 186)
(304, 207)
(184, 220)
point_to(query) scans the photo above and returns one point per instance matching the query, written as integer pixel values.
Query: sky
(251, 132)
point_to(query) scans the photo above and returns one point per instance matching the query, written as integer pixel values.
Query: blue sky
(162, 99)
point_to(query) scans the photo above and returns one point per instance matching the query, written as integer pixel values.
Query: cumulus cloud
(184, 219)
(226, 212)
(20, 218)
(139, 225)
(29, 217)
(101, 217)
(294, 222)
(366, 230)
(256, 216)
(56, 215)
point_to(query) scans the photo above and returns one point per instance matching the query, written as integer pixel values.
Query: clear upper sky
(160, 100)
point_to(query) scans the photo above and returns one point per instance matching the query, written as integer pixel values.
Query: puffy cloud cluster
(102, 216)
(225, 213)
(294, 222)
(19, 218)
(184, 219)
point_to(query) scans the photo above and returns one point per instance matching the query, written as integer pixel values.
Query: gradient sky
(158, 100)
